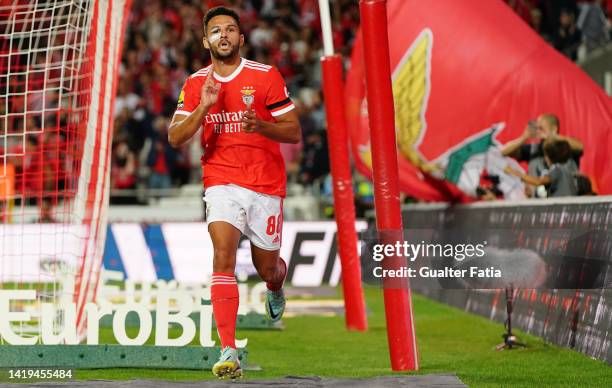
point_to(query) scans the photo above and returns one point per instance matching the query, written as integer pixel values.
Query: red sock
(224, 299)
(281, 274)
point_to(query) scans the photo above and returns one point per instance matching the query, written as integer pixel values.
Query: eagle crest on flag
(463, 76)
(411, 89)
(411, 85)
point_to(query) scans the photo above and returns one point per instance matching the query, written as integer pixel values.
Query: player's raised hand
(210, 90)
(250, 123)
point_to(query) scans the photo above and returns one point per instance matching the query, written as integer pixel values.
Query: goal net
(58, 65)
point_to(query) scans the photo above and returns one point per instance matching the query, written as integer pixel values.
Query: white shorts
(258, 216)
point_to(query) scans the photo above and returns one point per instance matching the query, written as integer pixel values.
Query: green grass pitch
(449, 341)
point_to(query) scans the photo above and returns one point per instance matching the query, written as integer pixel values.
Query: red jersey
(249, 160)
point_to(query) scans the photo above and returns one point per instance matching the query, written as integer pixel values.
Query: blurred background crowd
(163, 46)
(573, 27)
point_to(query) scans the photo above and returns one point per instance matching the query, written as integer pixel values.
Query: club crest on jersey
(248, 95)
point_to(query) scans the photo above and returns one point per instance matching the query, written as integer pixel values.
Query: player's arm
(286, 129)
(183, 127)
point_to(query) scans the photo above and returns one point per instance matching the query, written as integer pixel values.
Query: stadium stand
(163, 46)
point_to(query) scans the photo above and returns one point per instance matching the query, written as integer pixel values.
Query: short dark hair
(218, 11)
(558, 151)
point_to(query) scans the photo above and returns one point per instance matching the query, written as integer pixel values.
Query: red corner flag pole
(344, 202)
(398, 304)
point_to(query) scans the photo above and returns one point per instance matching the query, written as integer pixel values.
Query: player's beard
(214, 51)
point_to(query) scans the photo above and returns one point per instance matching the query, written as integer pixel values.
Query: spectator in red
(124, 165)
(309, 14)
(214, 3)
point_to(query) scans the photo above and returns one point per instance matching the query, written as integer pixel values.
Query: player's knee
(224, 260)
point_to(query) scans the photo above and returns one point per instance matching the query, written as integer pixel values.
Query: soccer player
(245, 111)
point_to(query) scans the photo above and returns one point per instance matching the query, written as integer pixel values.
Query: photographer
(529, 147)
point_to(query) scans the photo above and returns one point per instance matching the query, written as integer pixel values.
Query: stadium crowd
(163, 46)
(568, 25)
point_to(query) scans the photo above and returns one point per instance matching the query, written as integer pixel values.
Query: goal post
(401, 334)
(344, 201)
(59, 61)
